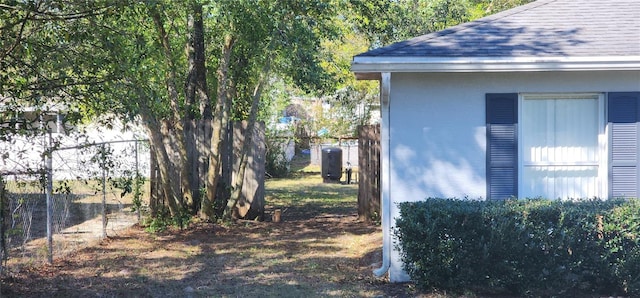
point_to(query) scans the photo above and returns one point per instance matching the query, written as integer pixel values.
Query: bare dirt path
(318, 250)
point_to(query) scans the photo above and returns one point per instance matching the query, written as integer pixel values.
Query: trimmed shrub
(530, 247)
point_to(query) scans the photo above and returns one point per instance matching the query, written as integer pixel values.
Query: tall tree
(284, 41)
(156, 62)
(168, 54)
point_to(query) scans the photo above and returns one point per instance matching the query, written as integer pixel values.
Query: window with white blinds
(561, 148)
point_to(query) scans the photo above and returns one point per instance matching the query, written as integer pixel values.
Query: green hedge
(522, 247)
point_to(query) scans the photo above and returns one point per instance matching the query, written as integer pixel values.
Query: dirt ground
(319, 249)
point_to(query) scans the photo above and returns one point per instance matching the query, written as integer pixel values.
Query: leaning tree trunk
(186, 197)
(247, 145)
(170, 191)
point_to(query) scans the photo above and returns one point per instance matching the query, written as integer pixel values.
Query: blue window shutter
(624, 143)
(502, 145)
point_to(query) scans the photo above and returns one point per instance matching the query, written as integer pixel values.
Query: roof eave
(369, 68)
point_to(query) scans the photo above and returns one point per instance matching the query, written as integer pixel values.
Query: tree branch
(52, 16)
(170, 78)
(18, 38)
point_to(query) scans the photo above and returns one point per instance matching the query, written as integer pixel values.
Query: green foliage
(163, 220)
(50, 55)
(384, 22)
(276, 163)
(621, 228)
(522, 247)
(157, 224)
(350, 108)
(495, 6)
(130, 183)
(138, 190)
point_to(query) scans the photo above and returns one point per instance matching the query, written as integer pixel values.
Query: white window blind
(560, 151)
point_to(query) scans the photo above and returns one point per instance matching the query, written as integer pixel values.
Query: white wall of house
(437, 141)
(25, 154)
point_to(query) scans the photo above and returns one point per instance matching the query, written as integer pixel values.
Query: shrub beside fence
(522, 247)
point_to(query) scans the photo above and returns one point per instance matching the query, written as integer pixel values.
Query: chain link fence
(84, 194)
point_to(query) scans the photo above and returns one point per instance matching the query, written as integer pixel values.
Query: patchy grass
(319, 249)
(307, 196)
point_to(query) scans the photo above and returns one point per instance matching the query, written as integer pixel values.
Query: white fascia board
(365, 66)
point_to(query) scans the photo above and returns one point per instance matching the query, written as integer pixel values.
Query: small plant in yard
(156, 225)
(137, 195)
(164, 220)
(277, 165)
(130, 183)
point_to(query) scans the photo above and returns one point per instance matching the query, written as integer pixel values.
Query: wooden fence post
(369, 173)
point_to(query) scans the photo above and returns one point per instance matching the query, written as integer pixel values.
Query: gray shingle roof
(545, 28)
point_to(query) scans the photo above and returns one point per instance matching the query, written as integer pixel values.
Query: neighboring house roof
(542, 35)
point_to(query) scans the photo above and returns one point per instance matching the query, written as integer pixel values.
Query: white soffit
(369, 67)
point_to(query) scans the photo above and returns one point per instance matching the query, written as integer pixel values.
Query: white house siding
(25, 154)
(437, 141)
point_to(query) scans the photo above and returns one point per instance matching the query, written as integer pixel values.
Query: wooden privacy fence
(252, 199)
(369, 173)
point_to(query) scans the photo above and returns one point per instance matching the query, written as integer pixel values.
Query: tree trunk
(170, 191)
(203, 137)
(219, 131)
(197, 99)
(186, 197)
(250, 203)
(248, 143)
(155, 189)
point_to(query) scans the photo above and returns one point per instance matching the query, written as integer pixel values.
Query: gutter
(368, 67)
(385, 206)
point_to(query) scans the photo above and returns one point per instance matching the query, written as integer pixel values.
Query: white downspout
(385, 90)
